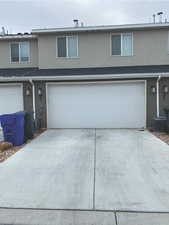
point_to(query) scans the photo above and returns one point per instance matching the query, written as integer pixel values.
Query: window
(61, 47)
(116, 45)
(122, 44)
(67, 46)
(20, 52)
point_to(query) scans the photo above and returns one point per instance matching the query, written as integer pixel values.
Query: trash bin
(160, 124)
(29, 126)
(13, 128)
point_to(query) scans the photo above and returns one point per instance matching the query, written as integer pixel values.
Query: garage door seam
(94, 183)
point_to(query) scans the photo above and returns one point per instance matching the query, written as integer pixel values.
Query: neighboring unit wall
(164, 98)
(152, 99)
(40, 104)
(149, 48)
(151, 102)
(5, 55)
(28, 99)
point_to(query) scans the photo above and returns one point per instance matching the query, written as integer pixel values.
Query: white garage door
(96, 105)
(11, 98)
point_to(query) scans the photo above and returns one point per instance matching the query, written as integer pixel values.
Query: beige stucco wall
(149, 48)
(5, 55)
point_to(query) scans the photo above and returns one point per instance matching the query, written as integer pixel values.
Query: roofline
(101, 28)
(85, 77)
(19, 36)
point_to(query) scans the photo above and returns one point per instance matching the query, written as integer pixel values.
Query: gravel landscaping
(161, 135)
(7, 153)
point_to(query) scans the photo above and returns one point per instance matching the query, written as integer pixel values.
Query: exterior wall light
(40, 92)
(28, 92)
(165, 89)
(153, 89)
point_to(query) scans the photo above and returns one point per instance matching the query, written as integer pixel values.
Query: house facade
(87, 77)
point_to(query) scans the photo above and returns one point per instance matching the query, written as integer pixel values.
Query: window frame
(121, 35)
(19, 43)
(67, 51)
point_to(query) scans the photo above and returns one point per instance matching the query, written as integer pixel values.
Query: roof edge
(101, 28)
(19, 36)
(85, 77)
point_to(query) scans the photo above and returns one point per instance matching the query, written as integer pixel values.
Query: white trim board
(86, 77)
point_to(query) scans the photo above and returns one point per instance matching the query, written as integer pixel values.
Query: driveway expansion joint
(94, 182)
(115, 216)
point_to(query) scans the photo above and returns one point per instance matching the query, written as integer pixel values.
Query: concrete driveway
(88, 169)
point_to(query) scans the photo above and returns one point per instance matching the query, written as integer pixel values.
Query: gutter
(83, 77)
(33, 98)
(158, 96)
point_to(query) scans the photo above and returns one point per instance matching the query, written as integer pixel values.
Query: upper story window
(67, 46)
(20, 52)
(122, 44)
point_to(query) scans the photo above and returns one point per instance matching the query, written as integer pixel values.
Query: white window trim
(19, 62)
(67, 57)
(121, 34)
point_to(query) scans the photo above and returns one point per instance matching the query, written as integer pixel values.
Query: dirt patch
(6, 154)
(161, 135)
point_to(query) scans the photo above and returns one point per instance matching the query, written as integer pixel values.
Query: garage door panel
(109, 105)
(11, 98)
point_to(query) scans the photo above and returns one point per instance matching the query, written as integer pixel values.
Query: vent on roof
(160, 16)
(154, 18)
(76, 22)
(3, 31)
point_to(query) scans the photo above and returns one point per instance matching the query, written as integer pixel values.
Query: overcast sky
(23, 15)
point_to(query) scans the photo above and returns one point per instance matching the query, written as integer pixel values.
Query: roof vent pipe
(76, 22)
(160, 16)
(33, 99)
(3, 30)
(154, 18)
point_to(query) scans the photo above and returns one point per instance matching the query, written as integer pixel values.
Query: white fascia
(85, 77)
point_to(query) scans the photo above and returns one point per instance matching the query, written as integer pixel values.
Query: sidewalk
(76, 217)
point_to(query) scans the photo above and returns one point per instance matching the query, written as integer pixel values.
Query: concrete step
(79, 217)
(55, 217)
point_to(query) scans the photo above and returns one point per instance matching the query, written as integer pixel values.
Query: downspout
(33, 98)
(158, 96)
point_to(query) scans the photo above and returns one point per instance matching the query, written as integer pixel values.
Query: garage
(96, 105)
(11, 98)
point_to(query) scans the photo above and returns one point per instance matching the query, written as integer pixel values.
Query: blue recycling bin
(13, 128)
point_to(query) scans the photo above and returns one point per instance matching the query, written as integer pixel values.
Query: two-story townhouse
(87, 77)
